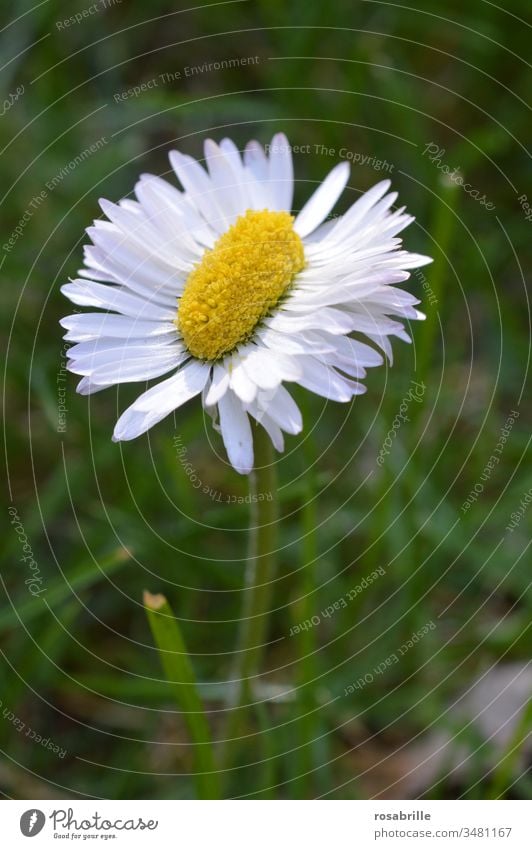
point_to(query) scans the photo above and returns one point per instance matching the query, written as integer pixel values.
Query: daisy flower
(221, 285)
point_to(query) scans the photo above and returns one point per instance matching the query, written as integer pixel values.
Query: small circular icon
(32, 822)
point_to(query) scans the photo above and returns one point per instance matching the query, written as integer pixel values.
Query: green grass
(106, 521)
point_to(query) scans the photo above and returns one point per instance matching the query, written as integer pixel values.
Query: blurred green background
(105, 521)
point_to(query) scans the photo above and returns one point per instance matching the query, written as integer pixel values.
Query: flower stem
(443, 227)
(260, 573)
(307, 646)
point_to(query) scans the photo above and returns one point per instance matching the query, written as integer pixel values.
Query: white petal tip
(210, 146)
(280, 138)
(175, 156)
(105, 204)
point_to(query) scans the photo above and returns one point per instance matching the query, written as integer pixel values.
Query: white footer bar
(266, 824)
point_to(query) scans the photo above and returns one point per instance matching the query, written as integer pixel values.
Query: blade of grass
(180, 674)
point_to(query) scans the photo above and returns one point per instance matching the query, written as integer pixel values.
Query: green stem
(260, 573)
(306, 645)
(443, 228)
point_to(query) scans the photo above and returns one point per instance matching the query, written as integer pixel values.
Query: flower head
(222, 286)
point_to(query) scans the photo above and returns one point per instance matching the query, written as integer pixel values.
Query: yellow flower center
(238, 282)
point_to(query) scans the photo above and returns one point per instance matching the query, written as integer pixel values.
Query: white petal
(106, 343)
(281, 173)
(272, 429)
(240, 382)
(138, 281)
(132, 371)
(383, 343)
(113, 247)
(320, 233)
(257, 366)
(305, 342)
(368, 322)
(409, 260)
(324, 381)
(348, 222)
(236, 433)
(166, 214)
(361, 354)
(231, 151)
(94, 273)
(198, 185)
(83, 327)
(189, 217)
(110, 367)
(274, 432)
(115, 355)
(282, 409)
(328, 318)
(343, 364)
(258, 193)
(158, 402)
(85, 293)
(138, 230)
(322, 201)
(85, 387)
(227, 189)
(354, 287)
(255, 159)
(219, 385)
